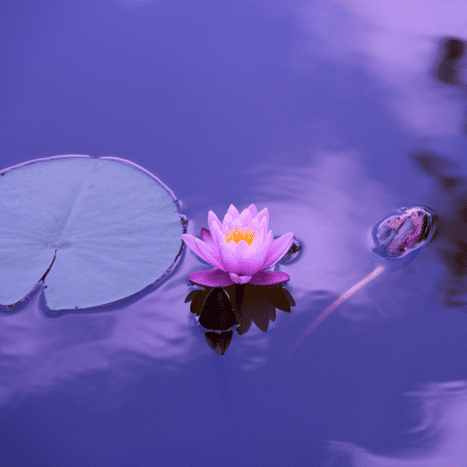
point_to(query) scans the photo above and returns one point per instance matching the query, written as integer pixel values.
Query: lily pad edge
(40, 283)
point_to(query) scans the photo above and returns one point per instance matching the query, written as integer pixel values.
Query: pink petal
(212, 219)
(260, 237)
(242, 258)
(236, 223)
(230, 256)
(269, 278)
(211, 278)
(191, 242)
(268, 238)
(263, 214)
(211, 255)
(278, 249)
(217, 236)
(239, 279)
(202, 250)
(206, 236)
(253, 210)
(246, 218)
(260, 224)
(239, 263)
(233, 211)
(255, 256)
(264, 244)
(215, 277)
(250, 266)
(227, 222)
(229, 217)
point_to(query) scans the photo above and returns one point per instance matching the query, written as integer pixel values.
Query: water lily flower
(240, 249)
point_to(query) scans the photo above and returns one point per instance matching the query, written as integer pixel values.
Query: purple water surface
(331, 115)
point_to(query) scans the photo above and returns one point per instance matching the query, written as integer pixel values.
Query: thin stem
(335, 304)
(328, 311)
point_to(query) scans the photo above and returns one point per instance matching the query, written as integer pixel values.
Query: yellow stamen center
(239, 234)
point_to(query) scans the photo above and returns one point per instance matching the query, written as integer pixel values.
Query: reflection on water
(209, 93)
(443, 426)
(449, 199)
(442, 429)
(450, 65)
(39, 353)
(235, 307)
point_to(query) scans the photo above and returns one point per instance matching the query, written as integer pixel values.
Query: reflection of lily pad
(109, 227)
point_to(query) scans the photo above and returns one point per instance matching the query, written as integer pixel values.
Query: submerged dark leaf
(217, 312)
(276, 297)
(222, 308)
(190, 296)
(289, 298)
(262, 319)
(219, 342)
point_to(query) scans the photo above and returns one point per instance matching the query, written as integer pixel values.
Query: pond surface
(332, 115)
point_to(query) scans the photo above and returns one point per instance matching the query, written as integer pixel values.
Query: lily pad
(98, 229)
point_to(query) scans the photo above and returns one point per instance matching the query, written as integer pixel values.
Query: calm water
(331, 115)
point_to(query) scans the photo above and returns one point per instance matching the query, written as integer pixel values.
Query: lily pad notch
(92, 230)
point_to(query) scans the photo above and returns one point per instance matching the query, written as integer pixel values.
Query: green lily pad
(105, 227)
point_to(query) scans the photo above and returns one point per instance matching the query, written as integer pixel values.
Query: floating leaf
(399, 238)
(398, 235)
(105, 227)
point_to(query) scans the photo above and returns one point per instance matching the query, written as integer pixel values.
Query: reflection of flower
(221, 310)
(240, 249)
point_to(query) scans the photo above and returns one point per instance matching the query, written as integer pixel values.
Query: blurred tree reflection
(449, 65)
(450, 241)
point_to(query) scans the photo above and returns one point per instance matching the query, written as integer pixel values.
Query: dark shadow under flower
(223, 309)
